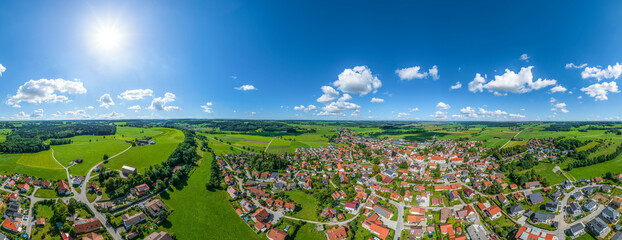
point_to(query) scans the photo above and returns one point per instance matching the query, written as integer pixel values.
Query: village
(441, 189)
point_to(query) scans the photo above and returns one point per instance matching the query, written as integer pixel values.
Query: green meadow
(39, 164)
(199, 211)
(90, 149)
(142, 157)
(3, 133)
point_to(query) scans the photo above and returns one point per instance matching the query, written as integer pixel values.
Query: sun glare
(107, 38)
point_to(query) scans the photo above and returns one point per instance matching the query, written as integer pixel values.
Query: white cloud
(600, 90)
(572, 65)
(34, 115)
(105, 101)
(44, 90)
(377, 100)
(558, 88)
(136, 108)
(90, 107)
(305, 109)
(510, 81)
(477, 85)
(522, 109)
(458, 85)
(77, 113)
(2, 69)
(559, 106)
(524, 57)
(160, 103)
(207, 107)
(402, 115)
(600, 74)
(339, 107)
(434, 72)
(414, 109)
(439, 114)
(552, 100)
(246, 87)
(493, 114)
(580, 97)
(468, 111)
(136, 94)
(413, 73)
(443, 106)
(345, 97)
(516, 116)
(330, 94)
(358, 80)
(111, 115)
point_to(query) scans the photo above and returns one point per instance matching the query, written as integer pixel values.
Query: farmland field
(90, 149)
(278, 146)
(3, 133)
(192, 217)
(145, 156)
(38, 164)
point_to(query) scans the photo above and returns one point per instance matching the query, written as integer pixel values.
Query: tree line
(30, 138)
(595, 160)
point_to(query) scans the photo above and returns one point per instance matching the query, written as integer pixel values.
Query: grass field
(278, 146)
(307, 204)
(599, 169)
(3, 133)
(47, 232)
(587, 146)
(145, 156)
(39, 164)
(46, 193)
(307, 232)
(546, 170)
(90, 149)
(131, 133)
(199, 211)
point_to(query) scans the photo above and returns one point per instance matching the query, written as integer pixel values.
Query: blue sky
(311, 60)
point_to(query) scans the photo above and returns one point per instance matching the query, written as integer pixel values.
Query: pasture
(145, 156)
(39, 164)
(193, 218)
(307, 204)
(90, 149)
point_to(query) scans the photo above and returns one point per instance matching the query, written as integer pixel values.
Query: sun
(108, 38)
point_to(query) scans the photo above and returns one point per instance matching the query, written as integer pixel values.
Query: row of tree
(595, 160)
(29, 137)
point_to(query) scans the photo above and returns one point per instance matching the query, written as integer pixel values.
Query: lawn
(546, 170)
(307, 204)
(46, 193)
(48, 232)
(39, 164)
(307, 232)
(90, 149)
(145, 156)
(199, 211)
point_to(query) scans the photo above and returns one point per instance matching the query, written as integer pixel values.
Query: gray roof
(543, 216)
(610, 213)
(590, 204)
(617, 236)
(477, 232)
(597, 224)
(516, 208)
(576, 228)
(535, 197)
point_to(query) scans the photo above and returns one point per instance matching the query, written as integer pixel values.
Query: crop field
(193, 218)
(38, 164)
(278, 146)
(587, 146)
(145, 156)
(90, 149)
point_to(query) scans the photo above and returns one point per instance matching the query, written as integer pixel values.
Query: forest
(29, 138)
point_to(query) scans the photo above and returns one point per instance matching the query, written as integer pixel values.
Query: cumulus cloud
(136, 108)
(246, 87)
(559, 106)
(510, 81)
(105, 101)
(377, 100)
(524, 57)
(458, 85)
(600, 90)
(558, 88)
(516, 116)
(309, 108)
(602, 73)
(572, 65)
(207, 107)
(339, 107)
(45, 90)
(357, 80)
(111, 115)
(136, 94)
(2, 69)
(414, 109)
(411, 73)
(477, 85)
(77, 113)
(469, 112)
(90, 107)
(330, 94)
(443, 106)
(439, 114)
(34, 115)
(402, 115)
(160, 103)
